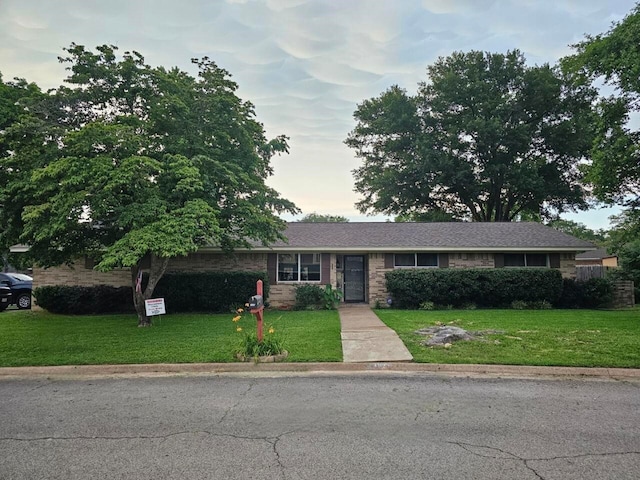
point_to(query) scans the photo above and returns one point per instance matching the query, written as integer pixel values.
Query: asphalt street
(319, 427)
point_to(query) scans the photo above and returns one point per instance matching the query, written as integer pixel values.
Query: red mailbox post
(258, 309)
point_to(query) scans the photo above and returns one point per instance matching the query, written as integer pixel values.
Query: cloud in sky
(305, 64)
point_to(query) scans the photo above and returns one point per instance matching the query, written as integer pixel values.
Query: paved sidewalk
(366, 339)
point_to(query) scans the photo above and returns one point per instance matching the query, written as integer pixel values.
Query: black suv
(20, 286)
(5, 297)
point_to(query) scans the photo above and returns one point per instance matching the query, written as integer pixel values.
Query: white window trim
(548, 264)
(294, 282)
(415, 261)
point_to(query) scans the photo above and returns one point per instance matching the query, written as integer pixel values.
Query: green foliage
(309, 296)
(598, 293)
(130, 161)
(331, 297)
(615, 170)
(592, 293)
(625, 228)
(486, 138)
(210, 291)
(430, 216)
(77, 300)
(484, 287)
(578, 230)
(519, 305)
(183, 292)
(427, 305)
(250, 347)
(323, 218)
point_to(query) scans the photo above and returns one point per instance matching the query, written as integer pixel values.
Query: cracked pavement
(319, 427)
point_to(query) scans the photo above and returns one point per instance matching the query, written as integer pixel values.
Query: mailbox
(256, 302)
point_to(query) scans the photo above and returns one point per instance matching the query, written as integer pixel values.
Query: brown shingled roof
(454, 236)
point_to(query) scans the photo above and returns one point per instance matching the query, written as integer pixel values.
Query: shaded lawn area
(42, 338)
(587, 338)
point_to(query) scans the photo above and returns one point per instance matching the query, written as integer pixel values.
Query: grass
(42, 338)
(587, 338)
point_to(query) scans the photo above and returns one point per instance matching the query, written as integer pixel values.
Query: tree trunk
(156, 271)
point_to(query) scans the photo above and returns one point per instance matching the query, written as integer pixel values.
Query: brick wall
(376, 280)
(77, 274)
(623, 294)
(219, 262)
(471, 260)
(568, 264)
(282, 295)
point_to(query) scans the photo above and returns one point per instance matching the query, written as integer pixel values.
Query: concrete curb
(312, 369)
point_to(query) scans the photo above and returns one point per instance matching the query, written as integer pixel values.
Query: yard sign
(154, 306)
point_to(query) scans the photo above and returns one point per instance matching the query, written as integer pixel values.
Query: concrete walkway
(366, 339)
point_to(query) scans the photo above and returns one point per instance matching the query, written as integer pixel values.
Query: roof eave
(332, 249)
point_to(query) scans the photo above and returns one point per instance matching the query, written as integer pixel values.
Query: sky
(304, 64)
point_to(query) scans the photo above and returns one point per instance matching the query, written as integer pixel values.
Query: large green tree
(486, 138)
(16, 97)
(615, 57)
(314, 217)
(579, 230)
(134, 165)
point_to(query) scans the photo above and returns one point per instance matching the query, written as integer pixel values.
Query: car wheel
(23, 301)
(3, 306)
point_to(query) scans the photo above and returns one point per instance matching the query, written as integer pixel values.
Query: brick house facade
(354, 257)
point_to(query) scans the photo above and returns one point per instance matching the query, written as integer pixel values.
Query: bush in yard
(592, 293)
(183, 292)
(77, 300)
(309, 296)
(208, 291)
(483, 287)
(598, 293)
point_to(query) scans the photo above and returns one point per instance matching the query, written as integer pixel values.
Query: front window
(412, 260)
(299, 267)
(526, 260)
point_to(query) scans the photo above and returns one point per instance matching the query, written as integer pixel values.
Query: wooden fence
(585, 272)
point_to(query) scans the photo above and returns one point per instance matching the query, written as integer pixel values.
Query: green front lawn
(41, 338)
(588, 338)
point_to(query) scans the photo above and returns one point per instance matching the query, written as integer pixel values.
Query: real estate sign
(154, 306)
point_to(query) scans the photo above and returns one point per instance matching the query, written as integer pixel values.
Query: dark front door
(354, 278)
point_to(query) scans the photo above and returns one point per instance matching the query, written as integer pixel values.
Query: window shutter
(388, 260)
(554, 260)
(272, 265)
(325, 268)
(443, 260)
(498, 259)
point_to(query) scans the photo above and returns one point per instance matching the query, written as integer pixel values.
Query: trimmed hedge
(183, 292)
(592, 293)
(309, 296)
(483, 287)
(210, 291)
(76, 300)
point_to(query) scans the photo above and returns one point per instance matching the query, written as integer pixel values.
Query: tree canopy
(579, 230)
(614, 56)
(133, 165)
(486, 138)
(314, 217)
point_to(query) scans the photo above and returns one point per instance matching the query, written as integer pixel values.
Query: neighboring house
(598, 257)
(354, 257)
